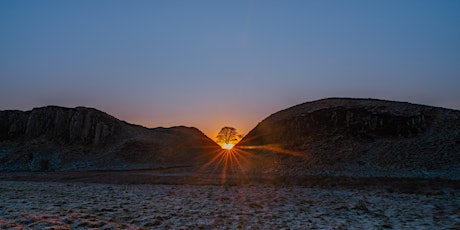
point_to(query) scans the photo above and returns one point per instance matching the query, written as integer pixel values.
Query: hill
(357, 138)
(61, 139)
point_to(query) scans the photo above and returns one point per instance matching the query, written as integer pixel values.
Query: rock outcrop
(57, 138)
(58, 124)
(359, 138)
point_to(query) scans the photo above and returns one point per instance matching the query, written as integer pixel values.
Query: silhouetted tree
(228, 135)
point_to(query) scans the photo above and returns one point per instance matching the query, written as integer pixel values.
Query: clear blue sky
(210, 64)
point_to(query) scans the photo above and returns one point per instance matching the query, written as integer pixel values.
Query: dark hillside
(57, 138)
(359, 138)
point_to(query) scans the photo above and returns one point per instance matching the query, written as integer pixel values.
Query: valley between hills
(359, 138)
(336, 162)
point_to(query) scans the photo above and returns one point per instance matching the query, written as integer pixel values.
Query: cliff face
(58, 124)
(358, 137)
(57, 138)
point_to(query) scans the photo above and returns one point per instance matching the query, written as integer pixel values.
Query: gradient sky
(211, 64)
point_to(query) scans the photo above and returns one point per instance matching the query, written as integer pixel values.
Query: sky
(210, 64)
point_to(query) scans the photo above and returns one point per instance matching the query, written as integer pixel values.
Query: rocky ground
(76, 205)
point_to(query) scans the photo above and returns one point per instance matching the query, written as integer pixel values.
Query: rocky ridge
(58, 138)
(357, 138)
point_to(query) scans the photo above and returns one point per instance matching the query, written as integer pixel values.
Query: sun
(227, 146)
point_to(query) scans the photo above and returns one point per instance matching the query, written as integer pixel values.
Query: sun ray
(236, 162)
(274, 148)
(229, 164)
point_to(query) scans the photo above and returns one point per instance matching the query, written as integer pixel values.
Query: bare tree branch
(228, 135)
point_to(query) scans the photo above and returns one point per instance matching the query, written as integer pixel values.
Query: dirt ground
(176, 201)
